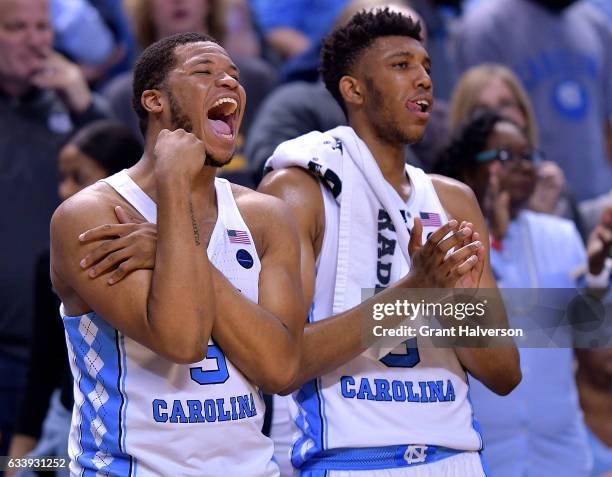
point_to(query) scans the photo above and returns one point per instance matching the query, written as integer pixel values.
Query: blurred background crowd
(523, 114)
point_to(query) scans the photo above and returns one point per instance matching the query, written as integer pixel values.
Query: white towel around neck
(343, 161)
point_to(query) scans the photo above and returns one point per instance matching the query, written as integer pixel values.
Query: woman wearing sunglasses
(494, 156)
(538, 429)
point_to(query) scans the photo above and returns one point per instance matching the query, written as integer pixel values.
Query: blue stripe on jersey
(310, 420)
(325, 427)
(318, 384)
(77, 380)
(476, 427)
(122, 362)
(483, 463)
(475, 423)
(124, 371)
(96, 355)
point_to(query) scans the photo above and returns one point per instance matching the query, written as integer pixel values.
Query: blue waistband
(370, 458)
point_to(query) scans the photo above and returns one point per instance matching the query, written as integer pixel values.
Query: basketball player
(168, 362)
(408, 415)
(358, 416)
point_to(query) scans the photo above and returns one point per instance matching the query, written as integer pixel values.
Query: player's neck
(143, 173)
(391, 158)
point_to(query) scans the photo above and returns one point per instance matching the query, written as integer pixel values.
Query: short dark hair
(153, 66)
(470, 139)
(344, 45)
(111, 145)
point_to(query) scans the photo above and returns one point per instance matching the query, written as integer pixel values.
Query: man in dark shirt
(43, 99)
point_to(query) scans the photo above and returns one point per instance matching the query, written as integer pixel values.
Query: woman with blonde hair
(155, 19)
(496, 88)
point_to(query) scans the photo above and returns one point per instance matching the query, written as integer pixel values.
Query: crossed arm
(170, 309)
(175, 307)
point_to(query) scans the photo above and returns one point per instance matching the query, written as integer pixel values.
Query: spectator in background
(300, 107)
(560, 49)
(95, 152)
(438, 16)
(80, 32)
(292, 27)
(241, 39)
(494, 87)
(113, 14)
(95, 35)
(537, 430)
(228, 21)
(43, 98)
(157, 19)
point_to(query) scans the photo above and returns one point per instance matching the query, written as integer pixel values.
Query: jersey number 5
(213, 376)
(408, 360)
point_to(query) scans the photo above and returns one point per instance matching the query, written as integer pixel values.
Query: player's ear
(351, 90)
(152, 101)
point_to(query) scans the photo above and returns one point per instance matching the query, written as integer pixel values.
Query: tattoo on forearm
(194, 224)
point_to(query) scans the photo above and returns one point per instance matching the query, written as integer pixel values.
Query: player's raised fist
(178, 153)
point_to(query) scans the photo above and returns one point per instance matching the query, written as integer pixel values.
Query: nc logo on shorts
(244, 258)
(415, 454)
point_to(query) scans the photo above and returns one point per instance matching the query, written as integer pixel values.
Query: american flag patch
(238, 236)
(430, 219)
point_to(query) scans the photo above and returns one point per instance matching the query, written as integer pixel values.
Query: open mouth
(419, 106)
(222, 117)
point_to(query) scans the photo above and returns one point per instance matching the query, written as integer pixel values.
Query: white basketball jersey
(138, 414)
(409, 397)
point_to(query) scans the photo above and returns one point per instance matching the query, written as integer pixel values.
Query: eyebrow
(205, 61)
(409, 54)
(402, 53)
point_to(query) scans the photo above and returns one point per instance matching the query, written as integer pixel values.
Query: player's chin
(220, 148)
(414, 133)
(216, 158)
